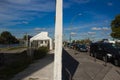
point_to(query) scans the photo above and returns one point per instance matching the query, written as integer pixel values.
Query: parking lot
(91, 69)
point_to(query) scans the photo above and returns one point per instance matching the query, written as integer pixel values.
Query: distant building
(41, 39)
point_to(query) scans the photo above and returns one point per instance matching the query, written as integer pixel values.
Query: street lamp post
(70, 38)
(74, 17)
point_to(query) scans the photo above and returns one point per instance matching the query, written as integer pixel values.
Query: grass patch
(14, 48)
(11, 48)
(3, 49)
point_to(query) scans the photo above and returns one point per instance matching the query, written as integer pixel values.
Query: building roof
(40, 36)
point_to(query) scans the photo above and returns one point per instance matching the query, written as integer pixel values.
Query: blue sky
(81, 18)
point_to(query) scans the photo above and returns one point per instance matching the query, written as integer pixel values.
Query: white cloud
(105, 28)
(39, 29)
(78, 27)
(33, 5)
(19, 1)
(73, 33)
(10, 24)
(92, 33)
(80, 1)
(109, 3)
(69, 3)
(83, 34)
(96, 28)
(25, 22)
(23, 11)
(99, 28)
(31, 31)
(72, 28)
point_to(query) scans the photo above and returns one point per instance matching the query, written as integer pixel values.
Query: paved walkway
(39, 70)
(88, 69)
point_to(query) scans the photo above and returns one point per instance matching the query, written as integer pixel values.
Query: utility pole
(58, 41)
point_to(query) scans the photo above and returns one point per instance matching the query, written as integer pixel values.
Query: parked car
(106, 52)
(82, 48)
(117, 56)
(70, 45)
(77, 46)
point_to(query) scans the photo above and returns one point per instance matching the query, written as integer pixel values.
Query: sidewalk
(113, 74)
(88, 69)
(40, 70)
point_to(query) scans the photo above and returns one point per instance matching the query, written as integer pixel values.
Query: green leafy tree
(115, 27)
(7, 38)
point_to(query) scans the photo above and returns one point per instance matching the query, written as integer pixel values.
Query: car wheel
(116, 62)
(92, 54)
(89, 54)
(104, 58)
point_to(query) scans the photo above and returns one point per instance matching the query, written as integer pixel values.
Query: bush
(40, 52)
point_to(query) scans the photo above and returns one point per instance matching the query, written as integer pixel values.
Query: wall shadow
(69, 65)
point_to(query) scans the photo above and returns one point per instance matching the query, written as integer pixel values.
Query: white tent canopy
(43, 36)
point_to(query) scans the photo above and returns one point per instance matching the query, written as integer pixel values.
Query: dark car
(71, 45)
(117, 56)
(82, 48)
(106, 52)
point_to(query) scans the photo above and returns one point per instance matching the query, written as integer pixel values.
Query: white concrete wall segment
(58, 41)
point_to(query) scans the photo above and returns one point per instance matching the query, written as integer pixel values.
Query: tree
(7, 38)
(25, 37)
(84, 41)
(115, 27)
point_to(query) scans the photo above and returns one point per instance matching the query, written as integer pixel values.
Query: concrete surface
(40, 70)
(88, 69)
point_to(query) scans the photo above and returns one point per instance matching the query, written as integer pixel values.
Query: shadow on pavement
(69, 66)
(35, 67)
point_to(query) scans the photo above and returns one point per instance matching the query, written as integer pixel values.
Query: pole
(70, 38)
(58, 42)
(71, 23)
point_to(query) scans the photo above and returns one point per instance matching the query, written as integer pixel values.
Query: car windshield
(109, 46)
(83, 46)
